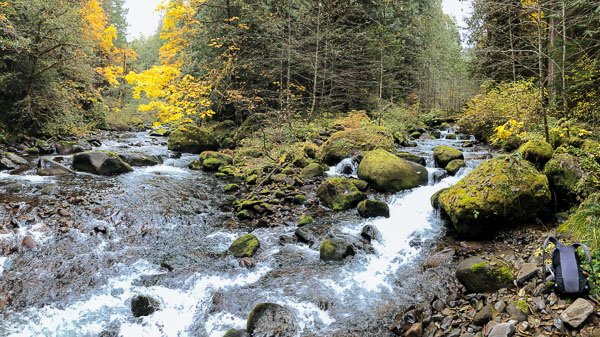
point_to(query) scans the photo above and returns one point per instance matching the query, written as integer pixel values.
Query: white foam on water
(179, 307)
(2, 262)
(29, 178)
(409, 214)
(308, 314)
(218, 324)
(164, 169)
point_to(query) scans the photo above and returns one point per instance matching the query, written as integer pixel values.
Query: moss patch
(339, 194)
(344, 144)
(245, 246)
(387, 173)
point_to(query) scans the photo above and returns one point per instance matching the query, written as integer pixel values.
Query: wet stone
(143, 306)
(502, 330)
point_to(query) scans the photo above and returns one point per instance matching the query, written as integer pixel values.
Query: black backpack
(569, 278)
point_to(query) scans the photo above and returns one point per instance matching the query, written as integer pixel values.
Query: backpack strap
(588, 256)
(557, 244)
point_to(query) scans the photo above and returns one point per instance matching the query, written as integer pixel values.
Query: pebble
(29, 242)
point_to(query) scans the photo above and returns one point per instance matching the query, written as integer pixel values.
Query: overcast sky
(143, 19)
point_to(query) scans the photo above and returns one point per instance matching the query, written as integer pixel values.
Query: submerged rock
(7, 164)
(480, 276)
(345, 144)
(100, 162)
(245, 246)
(445, 154)
(339, 194)
(142, 305)
(537, 152)
(139, 159)
(373, 208)
(47, 167)
(387, 173)
(501, 191)
(192, 139)
(272, 320)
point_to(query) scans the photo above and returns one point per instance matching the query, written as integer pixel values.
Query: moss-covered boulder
(16, 159)
(412, 157)
(312, 171)
(445, 154)
(272, 320)
(537, 152)
(231, 188)
(100, 162)
(501, 191)
(451, 136)
(213, 161)
(360, 184)
(455, 165)
(567, 176)
(373, 208)
(345, 144)
(336, 249)
(245, 246)
(236, 333)
(387, 173)
(192, 139)
(305, 220)
(339, 194)
(481, 276)
(311, 150)
(435, 202)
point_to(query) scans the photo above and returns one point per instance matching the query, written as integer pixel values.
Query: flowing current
(119, 230)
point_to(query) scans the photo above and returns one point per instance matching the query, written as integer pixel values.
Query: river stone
(100, 162)
(160, 131)
(387, 173)
(7, 164)
(435, 203)
(527, 272)
(416, 330)
(373, 208)
(370, 233)
(16, 159)
(272, 320)
(139, 159)
(142, 305)
(484, 315)
(346, 144)
(504, 190)
(339, 194)
(479, 276)
(577, 312)
(236, 333)
(445, 154)
(245, 246)
(312, 171)
(65, 147)
(213, 160)
(336, 249)
(455, 165)
(502, 330)
(518, 310)
(192, 139)
(537, 152)
(412, 157)
(47, 167)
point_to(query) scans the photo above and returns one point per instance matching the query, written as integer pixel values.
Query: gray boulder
(66, 147)
(271, 320)
(480, 276)
(16, 159)
(100, 162)
(139, 159)
(47, 167)
(577, 312)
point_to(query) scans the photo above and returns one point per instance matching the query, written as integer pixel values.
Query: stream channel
(81, 278)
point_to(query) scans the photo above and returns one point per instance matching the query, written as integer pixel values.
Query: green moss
(445, 154)
(195, 165)
(231, 188)
(245, 246)
(339, 194)
(278, 194)
(312, 171)
(499, 272)
(251, 180)
(326, 249)
(212, 164)
(522, 306)
(373, 208)
(451, 136)
(481, 266)
(221, 175)
(412, 157)
(305, 220)
(344, 144)
(191, 138)
(537, 152)
(299, 199)
(455, 165)
(387, 173)
(243, 215)
(360, 184)
(288, 171)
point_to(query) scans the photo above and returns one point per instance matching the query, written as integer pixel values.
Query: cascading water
(80, 282)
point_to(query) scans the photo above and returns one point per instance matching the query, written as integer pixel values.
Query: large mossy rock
(14, 158)
(245, 246)
(345, 144)
(192, 139)
(455, 165)
(412, 157)
(387, 173)
(501, 191)
(211, 161)
(481, 276)
(339, 194)
(272, 320)
(567, 176)
(312, 171)
(373, 208)
(100, 162)
(445, 154)
(47, 167)
(236, 333)
(537, 152)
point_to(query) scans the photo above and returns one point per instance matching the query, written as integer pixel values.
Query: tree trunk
(541, 71)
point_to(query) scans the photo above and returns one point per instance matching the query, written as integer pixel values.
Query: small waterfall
(347, 167)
